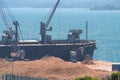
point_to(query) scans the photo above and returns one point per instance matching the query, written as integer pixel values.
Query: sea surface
(103, 26)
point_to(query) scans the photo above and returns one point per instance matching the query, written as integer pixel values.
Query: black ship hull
(37, 51)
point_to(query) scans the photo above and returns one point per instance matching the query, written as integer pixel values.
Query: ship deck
(54, 43)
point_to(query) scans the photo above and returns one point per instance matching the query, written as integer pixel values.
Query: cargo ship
(71, 48)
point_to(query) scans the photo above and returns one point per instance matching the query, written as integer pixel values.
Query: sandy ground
(101, 65)
(56, 69)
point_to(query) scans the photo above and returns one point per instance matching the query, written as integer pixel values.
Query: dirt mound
(48, 67)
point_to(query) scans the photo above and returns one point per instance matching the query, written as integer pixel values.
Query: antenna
(86, 30)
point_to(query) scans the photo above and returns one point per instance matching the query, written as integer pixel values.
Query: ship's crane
(44, 26)
(10, 36)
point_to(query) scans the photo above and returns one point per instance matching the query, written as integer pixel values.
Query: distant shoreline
(87, 9)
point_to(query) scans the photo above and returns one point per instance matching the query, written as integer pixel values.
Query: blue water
(104, 27)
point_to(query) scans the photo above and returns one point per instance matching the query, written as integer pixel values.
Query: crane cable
(3, 15)
(8, 18)
(12, 17)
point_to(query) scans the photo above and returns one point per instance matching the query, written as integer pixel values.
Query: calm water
(104, 27)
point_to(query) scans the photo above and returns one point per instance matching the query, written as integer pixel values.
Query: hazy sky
(63, 3)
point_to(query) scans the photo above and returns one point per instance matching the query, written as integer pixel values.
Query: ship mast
(44, 26)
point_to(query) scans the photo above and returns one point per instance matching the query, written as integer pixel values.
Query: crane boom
(3, 15)
(9, 35)
(6, 21)
(44, 26)
(51, 15)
